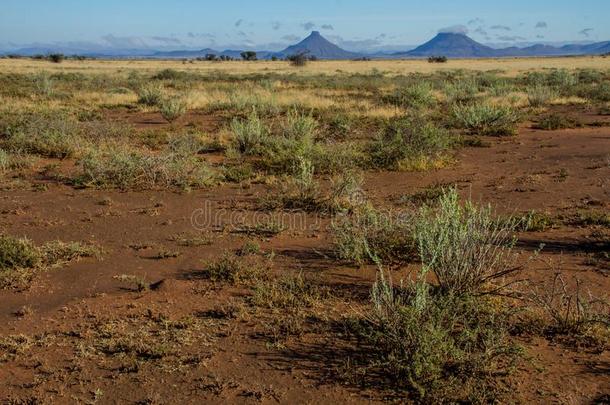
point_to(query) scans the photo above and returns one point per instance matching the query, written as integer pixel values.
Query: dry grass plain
(508, 66)
(254, 232)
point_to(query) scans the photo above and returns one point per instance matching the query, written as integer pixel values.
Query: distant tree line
(52, 57)
(214, 57)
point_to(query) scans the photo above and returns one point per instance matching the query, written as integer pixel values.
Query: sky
(357, 25)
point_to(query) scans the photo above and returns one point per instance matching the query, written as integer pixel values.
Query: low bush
(571, 313)
(44, 85)
(418, 95)
(501, 88)
(250, 135)
(17, 253)
(463, 91)
(486, 119)
(170, 74)
(535, 221)
(20, 259)
(301, 190)
(554, 122)
(235, 269)
(406, 140)
(55, 137)
(287, 293)
(367, 235)
(539, 96)
(463, 245)
(14, 161)
(443, 335)
(5, 161)
(299, 126)
(150, 95)
(132, 169)
(172, 108)
(441, 348)
(596, 92)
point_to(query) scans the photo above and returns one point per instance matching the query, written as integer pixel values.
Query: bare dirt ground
(195, 341)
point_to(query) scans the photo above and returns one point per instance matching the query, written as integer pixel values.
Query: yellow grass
(509, 66)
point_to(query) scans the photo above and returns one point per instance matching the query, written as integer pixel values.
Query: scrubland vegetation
(274, 120)
(455, 327)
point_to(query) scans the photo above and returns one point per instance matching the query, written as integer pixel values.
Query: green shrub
(554, 122)
(418, 95)
(170, 74)
(588, 76)
(501, 88)
(299, 59)
(301, 190)
(560, 78)
(298, 126)
(407, 139)
(10, 161)
(55, 134)
(288, 293)
(596, 92)
(250, 135)
(462, 91)
(442, 336)
(246, 100)
(463, 245)
(54, 137)
(235, 270)
(486, 119)
(442, 348)
(539, 96)
(535, 221)
(150, 95)
(124, 168)
(57, 252)
(17, 253)
(20, 259)
(5, 161)
(172, 108)
(338, 125)
(44, 84)
(368, 235)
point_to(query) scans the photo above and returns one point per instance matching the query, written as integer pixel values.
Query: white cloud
(454, 29)
(308, 26)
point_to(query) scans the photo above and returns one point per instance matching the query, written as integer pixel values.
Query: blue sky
(271, 24)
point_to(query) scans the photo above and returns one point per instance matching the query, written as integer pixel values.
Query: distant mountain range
(452, 45)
